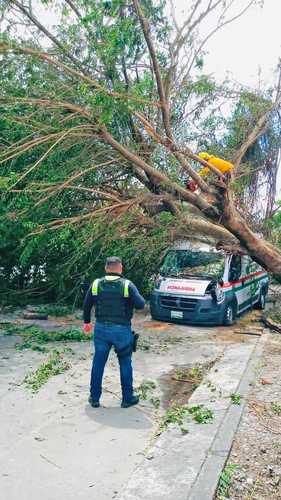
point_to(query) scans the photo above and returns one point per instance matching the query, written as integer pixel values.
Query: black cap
(112, 261)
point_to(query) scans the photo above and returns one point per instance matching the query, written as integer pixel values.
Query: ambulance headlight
(158, 283)
(219, 295)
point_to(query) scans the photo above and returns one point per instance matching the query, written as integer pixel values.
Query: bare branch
(179, 152)
(164, 105)
(255, 133)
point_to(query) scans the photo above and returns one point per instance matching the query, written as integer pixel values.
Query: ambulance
(199, 284)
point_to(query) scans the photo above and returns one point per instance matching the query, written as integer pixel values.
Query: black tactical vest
(112, 303)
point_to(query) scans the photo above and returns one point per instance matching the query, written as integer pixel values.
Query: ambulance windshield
(193, 264)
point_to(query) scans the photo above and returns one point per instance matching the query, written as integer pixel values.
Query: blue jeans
(107, 335)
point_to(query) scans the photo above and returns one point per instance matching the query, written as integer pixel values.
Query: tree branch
(255, 133)
(73, 72)
(159, 177)
(164, 105)
(74, 8)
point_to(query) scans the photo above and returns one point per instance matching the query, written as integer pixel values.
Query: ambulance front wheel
(229, 314)
(262, 299)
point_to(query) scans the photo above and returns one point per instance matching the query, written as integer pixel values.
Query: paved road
(55, 446)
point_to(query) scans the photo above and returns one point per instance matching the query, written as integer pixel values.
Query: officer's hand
(191, 186)
(87, 328)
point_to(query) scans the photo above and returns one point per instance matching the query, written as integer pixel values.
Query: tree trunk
(260, 250)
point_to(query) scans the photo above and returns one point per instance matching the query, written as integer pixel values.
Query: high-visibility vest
(112, 304)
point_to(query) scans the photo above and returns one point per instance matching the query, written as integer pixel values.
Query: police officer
(114, 299)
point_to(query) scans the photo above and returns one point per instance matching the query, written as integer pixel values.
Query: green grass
(53, 366)
(225, 481)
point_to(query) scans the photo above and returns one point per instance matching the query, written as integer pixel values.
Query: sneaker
(131, 402)
(93, 403)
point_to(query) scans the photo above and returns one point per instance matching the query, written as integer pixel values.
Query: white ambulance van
(200, 285)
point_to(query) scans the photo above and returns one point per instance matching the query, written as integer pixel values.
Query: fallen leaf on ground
(263, 381)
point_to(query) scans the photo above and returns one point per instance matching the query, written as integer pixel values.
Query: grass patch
(235, 399)
(54, 365)
(225, 481)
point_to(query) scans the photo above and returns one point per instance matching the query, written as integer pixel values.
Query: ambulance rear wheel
(229, 314)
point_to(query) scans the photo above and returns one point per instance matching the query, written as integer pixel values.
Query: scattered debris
(179, 384)
(176, 414)
(272, 319)
(235, 399)
(33, 337)
(50, 461)
(263, 381)
(53, 366)
(145, 388)
(34, 315)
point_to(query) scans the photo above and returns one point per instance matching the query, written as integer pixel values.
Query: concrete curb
(205, 485)
(188, 467)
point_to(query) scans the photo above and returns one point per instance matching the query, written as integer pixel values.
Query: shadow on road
(129, 418)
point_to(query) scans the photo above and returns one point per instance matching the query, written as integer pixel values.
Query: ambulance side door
(252, 284)
(235, 271)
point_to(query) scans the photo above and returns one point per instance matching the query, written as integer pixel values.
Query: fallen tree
(118, 81)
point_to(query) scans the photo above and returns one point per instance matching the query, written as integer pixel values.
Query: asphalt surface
(55, 446)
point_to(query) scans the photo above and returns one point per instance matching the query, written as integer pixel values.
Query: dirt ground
(257, 447)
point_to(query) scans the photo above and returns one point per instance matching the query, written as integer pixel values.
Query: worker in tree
(114, 299)
(222, 165)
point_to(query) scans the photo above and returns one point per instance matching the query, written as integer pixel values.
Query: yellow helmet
(204, 156)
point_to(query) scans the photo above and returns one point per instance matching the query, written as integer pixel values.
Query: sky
(249, 44)
(240, 49)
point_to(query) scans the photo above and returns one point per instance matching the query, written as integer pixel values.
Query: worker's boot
(133, 401)
(93, 403)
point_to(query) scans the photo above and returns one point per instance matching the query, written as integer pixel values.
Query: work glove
(87, 328)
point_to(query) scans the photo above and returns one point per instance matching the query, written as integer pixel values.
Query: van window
(193, 263)
(235, 268)
(251, 266)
